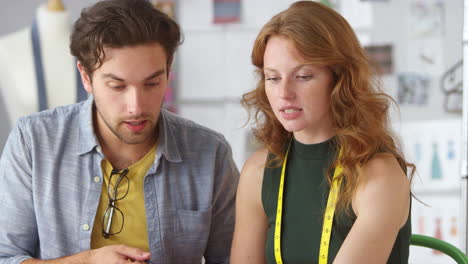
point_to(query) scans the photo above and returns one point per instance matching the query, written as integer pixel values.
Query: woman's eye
(273, 79)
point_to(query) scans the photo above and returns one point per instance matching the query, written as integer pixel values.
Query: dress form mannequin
(17, 71)
(55, 6)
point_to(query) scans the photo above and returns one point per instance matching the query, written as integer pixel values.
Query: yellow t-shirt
(131, 206)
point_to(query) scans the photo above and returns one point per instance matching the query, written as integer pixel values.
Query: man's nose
(135, 101)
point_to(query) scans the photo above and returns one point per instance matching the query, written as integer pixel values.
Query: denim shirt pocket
(192, 229)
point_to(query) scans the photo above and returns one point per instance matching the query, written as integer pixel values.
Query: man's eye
(116, 85)
(273, 79)
(152, 84)
(304, 77)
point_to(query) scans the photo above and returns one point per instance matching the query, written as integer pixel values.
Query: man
(116, 178)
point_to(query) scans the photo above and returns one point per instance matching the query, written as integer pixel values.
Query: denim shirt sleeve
(223, 209)
(18, 232)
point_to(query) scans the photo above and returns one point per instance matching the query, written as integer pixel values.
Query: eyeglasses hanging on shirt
(113, 220)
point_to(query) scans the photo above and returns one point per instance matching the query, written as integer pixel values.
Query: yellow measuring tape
(327, 220)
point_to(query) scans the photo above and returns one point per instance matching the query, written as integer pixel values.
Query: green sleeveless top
(305, 196)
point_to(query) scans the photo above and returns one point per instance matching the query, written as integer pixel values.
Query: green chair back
(440, 245)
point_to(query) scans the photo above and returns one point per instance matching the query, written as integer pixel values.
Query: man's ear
(85, 78)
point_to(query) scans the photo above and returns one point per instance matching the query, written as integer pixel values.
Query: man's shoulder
(52, 120)
(185, 128)
(54, 114)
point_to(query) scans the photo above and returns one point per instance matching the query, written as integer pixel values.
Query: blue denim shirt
(51, 181)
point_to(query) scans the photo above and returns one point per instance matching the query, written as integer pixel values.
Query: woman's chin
(293, 128)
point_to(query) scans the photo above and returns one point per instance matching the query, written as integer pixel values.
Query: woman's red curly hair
(360, 111)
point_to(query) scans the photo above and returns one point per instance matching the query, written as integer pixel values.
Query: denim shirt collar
(87, 140)
(167, 140)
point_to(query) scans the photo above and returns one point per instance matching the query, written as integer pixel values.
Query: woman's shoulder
(383, 183)
(255, 164)
(249, 192)
(382, 166)
(383, 171)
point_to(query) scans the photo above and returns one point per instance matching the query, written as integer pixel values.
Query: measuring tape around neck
(327, 220)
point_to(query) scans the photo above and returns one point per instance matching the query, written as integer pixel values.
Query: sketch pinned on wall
(451, 84)
(425, 55)
(421, 226)
(226, 11)
(426, 18)
(450, 150)
(454, 226)
(436, 216)
(413, 89)
(436, 171)
(417, 152)
(438, 234)
(381, 57)
(434, 147)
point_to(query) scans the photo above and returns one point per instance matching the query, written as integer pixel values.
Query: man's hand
(118, 254)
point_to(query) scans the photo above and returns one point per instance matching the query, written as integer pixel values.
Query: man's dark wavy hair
(121, 23)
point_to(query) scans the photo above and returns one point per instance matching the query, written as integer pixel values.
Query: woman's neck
(315, 134)
(312, 139)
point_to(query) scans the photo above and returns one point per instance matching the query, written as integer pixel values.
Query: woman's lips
(290, 113)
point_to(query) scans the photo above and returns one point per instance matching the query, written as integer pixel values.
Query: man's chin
(135, 140)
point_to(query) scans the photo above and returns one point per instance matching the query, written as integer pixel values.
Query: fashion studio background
(416, 43)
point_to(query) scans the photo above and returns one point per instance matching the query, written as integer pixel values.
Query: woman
(322, 119)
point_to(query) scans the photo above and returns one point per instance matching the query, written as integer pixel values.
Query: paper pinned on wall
(226, 11)
(434, 147)
(451, 84)
(427, 18)
(381, 57)
(413, 89)
(435, 216)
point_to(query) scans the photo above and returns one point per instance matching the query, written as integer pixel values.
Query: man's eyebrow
(155, 74)
(151, 76)
(112, 76)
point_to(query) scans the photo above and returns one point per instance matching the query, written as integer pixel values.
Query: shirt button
(98, 148)
(85, 227)
(97, 179)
